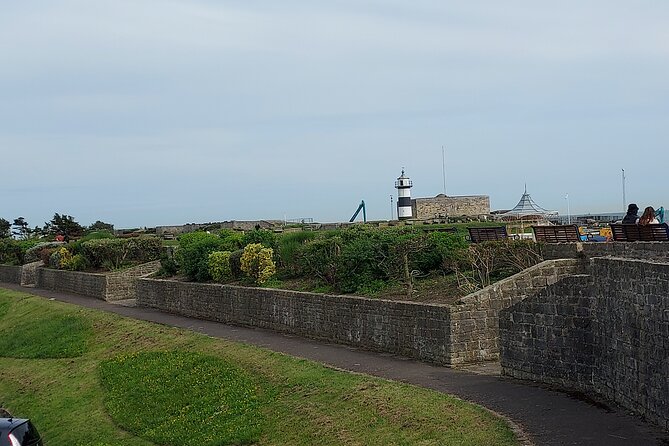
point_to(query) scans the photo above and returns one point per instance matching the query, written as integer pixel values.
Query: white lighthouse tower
(403, 185)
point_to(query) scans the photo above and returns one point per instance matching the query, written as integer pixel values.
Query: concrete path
(548, 417)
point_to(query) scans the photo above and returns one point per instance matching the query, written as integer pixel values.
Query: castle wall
(443, 206)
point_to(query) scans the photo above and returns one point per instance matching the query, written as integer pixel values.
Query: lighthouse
(403, 185)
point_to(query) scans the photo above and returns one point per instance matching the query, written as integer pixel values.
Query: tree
(5, 228)
(21, 229)
(64, 225)
(101, 226)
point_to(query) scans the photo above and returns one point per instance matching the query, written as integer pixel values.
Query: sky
(146, 112)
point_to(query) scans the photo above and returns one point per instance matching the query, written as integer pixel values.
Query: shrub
(168, 265)
(60, 258)
(291, 247)
(77, 263)
(257, 262)
(10, 252)
(113, 253)
(236, 264)
(219, 266)
(193, 254)
(260, 236)
(231, 240)
(76, 247)
(34, 253)
(320, 258)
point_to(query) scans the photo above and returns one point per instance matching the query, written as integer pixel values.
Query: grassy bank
(111, 380)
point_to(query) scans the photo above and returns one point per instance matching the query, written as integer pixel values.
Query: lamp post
(566, 197)
(391, 207)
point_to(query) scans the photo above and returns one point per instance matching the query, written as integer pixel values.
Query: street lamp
(566, 197)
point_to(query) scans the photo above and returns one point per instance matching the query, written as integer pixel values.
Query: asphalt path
(546, 416)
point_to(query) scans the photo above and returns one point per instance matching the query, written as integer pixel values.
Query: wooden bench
(640, 233)
(556, 234)
(485, 234)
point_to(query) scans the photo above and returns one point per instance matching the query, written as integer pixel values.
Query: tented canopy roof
(526, 206)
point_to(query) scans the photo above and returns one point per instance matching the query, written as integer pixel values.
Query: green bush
(320, 258)
(291, 247)
(168, 265)
(258, 263)
(231, 240)
(35, 253)
(236, 264)
(13, 252)
(219, 266)
(260, 236)
(113, 253)
(193, 254)
(76, 247)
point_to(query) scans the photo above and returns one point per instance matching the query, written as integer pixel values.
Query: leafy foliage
(257, 263)
(5, 228)
(260, 236)
(193, 254)
(219, 266)
(64, 225)
(113, 253)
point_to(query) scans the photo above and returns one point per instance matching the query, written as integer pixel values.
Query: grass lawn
(93, 378)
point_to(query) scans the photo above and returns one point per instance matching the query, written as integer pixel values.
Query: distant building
(443, 206)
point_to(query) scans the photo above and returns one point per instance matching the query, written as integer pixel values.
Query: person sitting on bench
(631, 217)
(648, 217)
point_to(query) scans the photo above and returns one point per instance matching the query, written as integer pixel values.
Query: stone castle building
(443, 206)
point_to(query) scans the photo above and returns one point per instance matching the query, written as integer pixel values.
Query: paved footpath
(548, 417)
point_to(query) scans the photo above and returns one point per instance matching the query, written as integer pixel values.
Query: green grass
(54, 335)
(134, 377)
(155, 395)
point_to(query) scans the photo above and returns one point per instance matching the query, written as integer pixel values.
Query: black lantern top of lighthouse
(403, 182)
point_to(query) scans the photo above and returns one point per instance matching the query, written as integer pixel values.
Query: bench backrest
(485, 234)
(643, 233)
(556, 234)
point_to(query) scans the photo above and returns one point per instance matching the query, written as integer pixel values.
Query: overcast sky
(147, 112)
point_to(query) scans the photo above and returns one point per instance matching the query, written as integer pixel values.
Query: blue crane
(364, 212)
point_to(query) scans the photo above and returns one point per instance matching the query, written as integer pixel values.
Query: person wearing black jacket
(632, 216)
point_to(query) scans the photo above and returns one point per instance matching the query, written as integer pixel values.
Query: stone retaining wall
(111, 286)
(10, 274)
(443, 334)
(588, 250)
(409, 329)
(606, 333)
(475, 318)
(86, 284)
(25, 275)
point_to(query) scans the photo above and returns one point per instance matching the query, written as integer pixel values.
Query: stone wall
(606, 333)
(639, 250)
(23, 275)
(29, 273)
(475, 318)
(111, 286)
(123, 284)
(443, 205)
(449, 335)
(87, 284)
(409, 329)
(10, 274)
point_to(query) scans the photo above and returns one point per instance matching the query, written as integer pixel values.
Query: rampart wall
(111, 286)
(25, 275)
(443, 334)
(10, 274)
(442, 206)
(606, 333)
